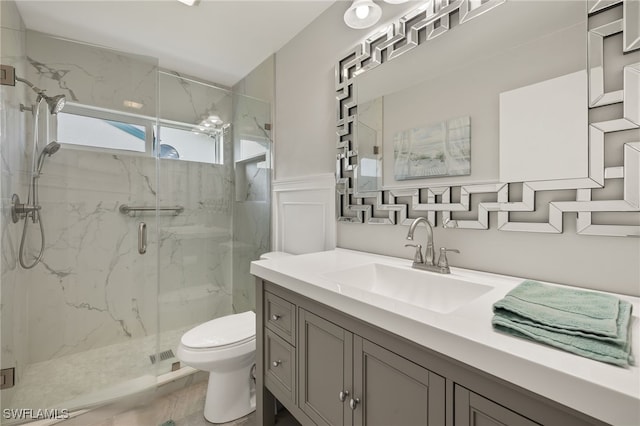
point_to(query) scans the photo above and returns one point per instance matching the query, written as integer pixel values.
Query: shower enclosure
(154, 203)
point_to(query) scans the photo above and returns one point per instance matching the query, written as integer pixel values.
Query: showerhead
(55, 103)
(48, 150)
(51, 148)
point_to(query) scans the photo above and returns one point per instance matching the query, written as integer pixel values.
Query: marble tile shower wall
(195, 247)
(251, 239)
(92, 75)
(252, 207)
(93, 288)
(13, 144)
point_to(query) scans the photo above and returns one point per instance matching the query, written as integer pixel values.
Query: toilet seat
(222, 333)
(220, 347)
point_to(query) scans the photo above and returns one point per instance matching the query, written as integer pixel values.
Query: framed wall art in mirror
(440, 149)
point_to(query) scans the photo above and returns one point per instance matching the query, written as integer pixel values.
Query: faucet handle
(442, 260)
(417, 257)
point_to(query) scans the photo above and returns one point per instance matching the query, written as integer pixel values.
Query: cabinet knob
(276, 363)
(354, 402)
(343, 395)
(275, 317)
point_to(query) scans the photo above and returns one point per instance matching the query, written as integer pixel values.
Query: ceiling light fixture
(362, 14)
(132, 104)
(188, 2)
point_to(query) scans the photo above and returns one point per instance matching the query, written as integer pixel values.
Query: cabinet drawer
(472, 409)
(280, 317)
(280, 365)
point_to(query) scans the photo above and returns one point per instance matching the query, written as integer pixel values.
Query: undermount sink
(435, 292)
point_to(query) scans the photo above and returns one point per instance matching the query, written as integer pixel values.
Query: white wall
(306, 134)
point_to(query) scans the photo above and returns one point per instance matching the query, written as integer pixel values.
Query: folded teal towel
(593, 325)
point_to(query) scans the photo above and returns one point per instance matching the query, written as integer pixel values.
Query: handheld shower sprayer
(47, 151)
(32, 209)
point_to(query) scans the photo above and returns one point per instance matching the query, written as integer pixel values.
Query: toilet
(226, 348)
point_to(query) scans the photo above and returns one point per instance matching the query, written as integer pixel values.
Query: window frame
(151, 125)
(82, 110)
(218, 150)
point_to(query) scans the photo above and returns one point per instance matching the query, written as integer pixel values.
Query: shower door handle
(142, 238)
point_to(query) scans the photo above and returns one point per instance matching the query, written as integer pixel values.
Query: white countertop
(603, 391)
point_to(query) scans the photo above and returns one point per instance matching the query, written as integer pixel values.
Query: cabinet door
(393, 390)
(472, 409)
(325, 351)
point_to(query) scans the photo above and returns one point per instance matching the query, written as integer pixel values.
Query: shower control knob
(275, 317)
(276, 363)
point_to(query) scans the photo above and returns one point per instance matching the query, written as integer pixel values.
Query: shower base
(95, 376)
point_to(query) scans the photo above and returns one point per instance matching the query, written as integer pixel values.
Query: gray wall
(305, 124)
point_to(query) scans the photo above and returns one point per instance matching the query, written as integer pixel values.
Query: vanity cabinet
(329, 368)
(472, 409)
(348, 380)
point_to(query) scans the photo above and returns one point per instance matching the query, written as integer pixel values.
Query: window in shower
(103, 129)
(190, 144)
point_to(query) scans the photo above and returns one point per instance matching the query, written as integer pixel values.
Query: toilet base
(230, 395)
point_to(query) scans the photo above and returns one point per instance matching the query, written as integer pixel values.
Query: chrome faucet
(426, 262)
(428, 258)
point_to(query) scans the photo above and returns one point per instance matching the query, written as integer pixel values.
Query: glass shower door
(195, 171)
(252, 201)
(82, 328)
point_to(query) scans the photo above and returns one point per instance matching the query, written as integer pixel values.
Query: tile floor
(184, 407)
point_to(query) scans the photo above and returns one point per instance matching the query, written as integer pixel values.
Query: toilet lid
(222, 331)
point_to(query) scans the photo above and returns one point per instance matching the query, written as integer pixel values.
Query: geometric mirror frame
(395, 206)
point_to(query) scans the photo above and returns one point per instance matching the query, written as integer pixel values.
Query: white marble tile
(192, 101)
(92, 75)
(91, 269)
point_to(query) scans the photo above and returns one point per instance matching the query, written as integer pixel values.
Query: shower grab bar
(125, 209)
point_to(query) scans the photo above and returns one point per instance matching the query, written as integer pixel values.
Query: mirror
(513, 84)
(530, 110)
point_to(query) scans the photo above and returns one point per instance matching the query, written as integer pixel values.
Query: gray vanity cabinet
(329, 368)
(472, 409)
(348, 380)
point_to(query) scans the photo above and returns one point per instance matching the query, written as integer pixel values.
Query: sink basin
(435, 292)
